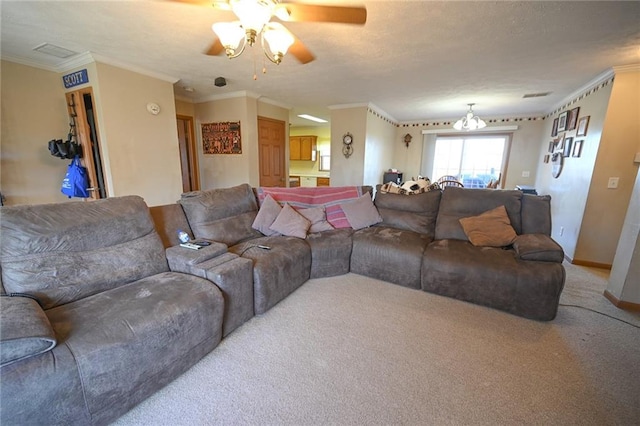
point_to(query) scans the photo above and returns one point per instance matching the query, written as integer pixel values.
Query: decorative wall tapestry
(221, 138)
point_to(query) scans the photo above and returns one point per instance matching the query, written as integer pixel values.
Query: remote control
(190, 246)
(264, 247)
(201, 243)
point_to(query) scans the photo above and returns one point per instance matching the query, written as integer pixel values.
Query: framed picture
(562, 121)
(552, 146)
(554, 128)
(566, 151)
(546, 158)
(577, 148)
(572, 118)
(560, 142)
(583, 124)
(221, 138)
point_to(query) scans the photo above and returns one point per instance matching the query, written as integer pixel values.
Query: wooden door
(271, 149)
(85, 130)
(188, 154)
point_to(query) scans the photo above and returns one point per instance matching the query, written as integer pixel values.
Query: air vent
(536, 95)
(57, 51)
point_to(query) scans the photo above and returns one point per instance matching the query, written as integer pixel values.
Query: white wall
(380, 148)
(348, 171)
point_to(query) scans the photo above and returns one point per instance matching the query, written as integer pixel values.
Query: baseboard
(591, 264)
(627, 306)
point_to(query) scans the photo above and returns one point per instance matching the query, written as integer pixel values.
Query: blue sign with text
(75, 79)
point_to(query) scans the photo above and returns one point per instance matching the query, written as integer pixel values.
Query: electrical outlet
(613, 182)
(525, 173)
(561, 231)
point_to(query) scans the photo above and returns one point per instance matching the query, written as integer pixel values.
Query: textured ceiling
(414, 60)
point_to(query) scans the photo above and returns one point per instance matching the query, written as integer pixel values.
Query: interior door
(188, 154)
(271, 142)
(84, 129)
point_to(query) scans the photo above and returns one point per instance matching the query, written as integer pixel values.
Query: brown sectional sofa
(99, 269)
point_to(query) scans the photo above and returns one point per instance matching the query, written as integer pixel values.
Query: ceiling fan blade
(301, 12)
(300, 51)
(195, 2)
(215, 49)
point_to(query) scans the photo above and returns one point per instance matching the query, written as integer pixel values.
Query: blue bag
(76, 181)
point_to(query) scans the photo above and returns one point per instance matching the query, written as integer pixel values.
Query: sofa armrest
(182, 259)
(538, 247)
(25, 330)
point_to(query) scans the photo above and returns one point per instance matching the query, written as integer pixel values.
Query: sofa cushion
(415, 212)
(457, 203)
(538, 247)
(493, 277)
(224, 215)
(361, 213)
(276, 272)
(63, 252)
(269, 211)
(491, 228)
(389, 254)
(24, 328)
(291, 223)
(536, 214)
(131, 341)
(318, 218)
(330, 252)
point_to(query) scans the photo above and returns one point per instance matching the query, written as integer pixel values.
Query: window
(475, 160)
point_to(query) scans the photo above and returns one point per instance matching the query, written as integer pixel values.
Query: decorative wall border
(489, 121)
(580, 97)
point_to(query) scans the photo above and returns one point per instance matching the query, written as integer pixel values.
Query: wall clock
(347, 141)
(556, 161)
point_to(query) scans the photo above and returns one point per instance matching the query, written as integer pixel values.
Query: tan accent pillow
(269, 211)
(318, 218)
(490, 229)
(361, 213)
(291, 223)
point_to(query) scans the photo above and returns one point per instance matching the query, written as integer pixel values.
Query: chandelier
(254, 17)
(470, 121)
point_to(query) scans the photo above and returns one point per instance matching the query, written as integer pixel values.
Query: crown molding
(274, 103)
(600, 79)
(228, 95)
(626, 68)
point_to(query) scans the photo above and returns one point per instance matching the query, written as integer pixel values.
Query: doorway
(188, 154)
(271, 150)
(85, 130)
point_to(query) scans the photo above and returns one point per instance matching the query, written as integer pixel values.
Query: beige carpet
(351, 350)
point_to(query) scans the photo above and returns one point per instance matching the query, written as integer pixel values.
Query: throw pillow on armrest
(291, 223)
(25, 330)
(489, 229)
(538, 247)
(269, 211)
(361, 213)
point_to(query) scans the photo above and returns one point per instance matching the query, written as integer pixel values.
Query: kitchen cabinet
(323, 181)
(302, 148)
(308, 181)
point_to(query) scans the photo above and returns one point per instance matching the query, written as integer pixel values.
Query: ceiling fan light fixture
(470, 121)
(278, 40)
(253, 14)
(231, 35)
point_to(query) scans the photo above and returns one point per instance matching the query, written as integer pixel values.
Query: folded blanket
(306, 197)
